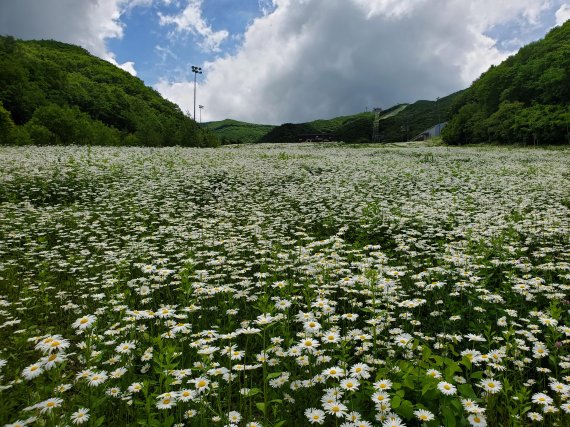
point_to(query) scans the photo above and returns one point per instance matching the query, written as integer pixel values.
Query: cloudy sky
(276, 61)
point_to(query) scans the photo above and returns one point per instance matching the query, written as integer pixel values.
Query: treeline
(526, 99)
(56, 93)
(354, 128)
(288, 132)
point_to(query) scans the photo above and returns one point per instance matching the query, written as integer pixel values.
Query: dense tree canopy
(56, 93)
(526, 99)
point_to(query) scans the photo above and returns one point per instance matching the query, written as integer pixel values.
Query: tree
(524, 99)
(7, 126)
(58, 93)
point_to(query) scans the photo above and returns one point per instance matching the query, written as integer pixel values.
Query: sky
(278, 61)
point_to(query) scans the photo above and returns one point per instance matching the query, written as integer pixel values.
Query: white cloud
(88, 23)
(129, 67)
(563, 14)
(190, 20)
(320, 58)
(181, 93)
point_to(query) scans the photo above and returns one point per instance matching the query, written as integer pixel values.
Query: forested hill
(353, 127)
(56, 93)
(397, 123)
(526, 99)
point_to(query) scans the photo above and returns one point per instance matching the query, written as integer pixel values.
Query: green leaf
(477, 375)
(457, 405)
(451, 369)
(432, 394)
(252, 392)
(466, 391)
(409, 382)
(467, 363)
(168, 421)
(406, 409)
(449, 417)
(438, 360)
(396, 401)
(100, 421)
(279, 423)
(261, 407)
(273, 375)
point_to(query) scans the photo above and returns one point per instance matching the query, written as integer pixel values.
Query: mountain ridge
(413, 118)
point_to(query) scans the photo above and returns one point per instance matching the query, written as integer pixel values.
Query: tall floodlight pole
(200, 107)
(196, 71)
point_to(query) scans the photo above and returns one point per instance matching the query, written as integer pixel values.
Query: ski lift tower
(376, 125)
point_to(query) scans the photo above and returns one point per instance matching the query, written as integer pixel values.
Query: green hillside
(57, 93)
(289, 132)
(397, 123)
(416, 118)
(357, 130)
(236, 132)
(526, 99)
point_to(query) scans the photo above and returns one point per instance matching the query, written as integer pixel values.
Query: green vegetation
(56, 93)
(398, 123)
(526, 99)
(236, 132)
(358, 130)
(284, 285)
(289, 132)
(416, 118)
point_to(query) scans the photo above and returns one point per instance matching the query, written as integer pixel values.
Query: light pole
(200, 107)
(196, 71)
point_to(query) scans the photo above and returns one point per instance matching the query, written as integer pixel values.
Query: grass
(233, 131)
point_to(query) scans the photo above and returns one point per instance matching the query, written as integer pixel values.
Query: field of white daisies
(284, 285)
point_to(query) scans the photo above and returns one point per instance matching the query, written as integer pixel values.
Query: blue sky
(276, 61)
(159, 51)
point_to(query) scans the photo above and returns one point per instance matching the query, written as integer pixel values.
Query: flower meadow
(284, 285)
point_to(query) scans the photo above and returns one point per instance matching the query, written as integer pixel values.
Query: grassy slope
(289, 132)
(416, 117)
(353, 128)
(233, 131)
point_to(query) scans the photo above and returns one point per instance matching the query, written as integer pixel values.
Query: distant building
(315, 137)
(430, 133)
